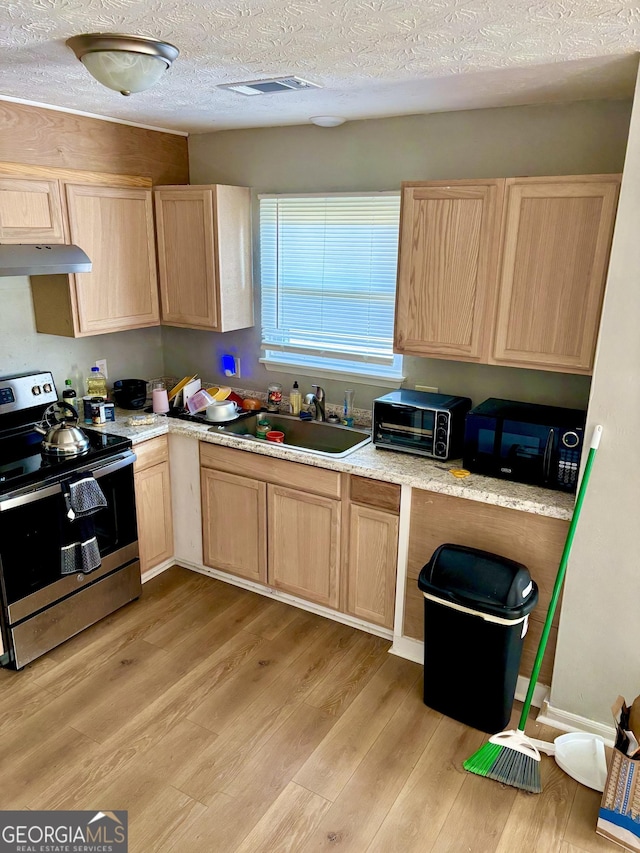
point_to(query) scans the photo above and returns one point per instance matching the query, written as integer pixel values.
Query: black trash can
(476, 608)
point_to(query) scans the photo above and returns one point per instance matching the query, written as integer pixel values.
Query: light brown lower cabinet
(374, 507)
(373, 556)
(304, 544)
(153, 502)
(257, 525)
(291, 526)
(234, 511)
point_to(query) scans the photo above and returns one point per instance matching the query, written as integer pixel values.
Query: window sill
(329, 373)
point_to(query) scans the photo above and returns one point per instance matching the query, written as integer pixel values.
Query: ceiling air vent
(269, 87)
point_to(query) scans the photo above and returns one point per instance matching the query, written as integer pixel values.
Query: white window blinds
(328, 278)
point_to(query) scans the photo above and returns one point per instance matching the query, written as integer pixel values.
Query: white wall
(598, 653)
(130, 355)
(585, 137)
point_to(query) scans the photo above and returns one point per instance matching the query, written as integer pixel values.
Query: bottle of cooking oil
(96, 383)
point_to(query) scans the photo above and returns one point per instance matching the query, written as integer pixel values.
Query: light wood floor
(224, 721)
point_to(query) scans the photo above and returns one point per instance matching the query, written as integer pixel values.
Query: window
(328, 278)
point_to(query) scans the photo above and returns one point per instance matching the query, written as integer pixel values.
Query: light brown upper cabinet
(555, 254)
(114, 226)
(204, 256)
(447, 267)
(30, 211)
(506, 271)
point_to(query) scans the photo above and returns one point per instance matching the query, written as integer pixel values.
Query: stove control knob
(35, 390)
(46, 388)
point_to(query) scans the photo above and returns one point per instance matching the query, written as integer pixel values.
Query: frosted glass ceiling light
(123, 63)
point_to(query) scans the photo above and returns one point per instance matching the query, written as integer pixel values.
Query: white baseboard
(568, 722)
(301, 603)
(539, 694)
(157, 570)
(408, 648)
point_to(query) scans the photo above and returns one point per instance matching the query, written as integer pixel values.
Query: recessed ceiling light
(327, 121)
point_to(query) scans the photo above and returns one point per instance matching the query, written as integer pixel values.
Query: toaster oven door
(405, 427)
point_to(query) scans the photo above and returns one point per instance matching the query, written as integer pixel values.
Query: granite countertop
(401, 468)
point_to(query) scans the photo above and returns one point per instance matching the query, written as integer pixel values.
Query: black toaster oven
(420, 422)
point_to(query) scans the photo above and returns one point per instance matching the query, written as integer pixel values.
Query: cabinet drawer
(297, 475)
(151, 452)
(375, 493)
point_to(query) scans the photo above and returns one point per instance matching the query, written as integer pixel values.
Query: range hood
(42, 259)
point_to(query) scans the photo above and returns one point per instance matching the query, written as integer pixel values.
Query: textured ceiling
(373, 57)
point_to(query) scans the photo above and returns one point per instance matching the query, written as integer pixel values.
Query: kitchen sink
(319, 439)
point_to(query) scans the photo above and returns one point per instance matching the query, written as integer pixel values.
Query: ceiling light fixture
(123, 63)
(327, 121)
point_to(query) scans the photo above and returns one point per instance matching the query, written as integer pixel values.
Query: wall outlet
(102, 364)
(428, 388)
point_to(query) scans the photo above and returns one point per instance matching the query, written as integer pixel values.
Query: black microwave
(525, 442)
(420, 422)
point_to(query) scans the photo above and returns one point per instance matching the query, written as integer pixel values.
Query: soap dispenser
(295, 399)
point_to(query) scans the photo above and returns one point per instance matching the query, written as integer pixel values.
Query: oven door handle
(402, 406)
(20, 498)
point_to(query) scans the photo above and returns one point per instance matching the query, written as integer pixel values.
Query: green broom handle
(595, 441)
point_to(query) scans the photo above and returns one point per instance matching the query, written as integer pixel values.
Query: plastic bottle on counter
(295, 399)
(96, 384)
(69, 394)
(347, 412)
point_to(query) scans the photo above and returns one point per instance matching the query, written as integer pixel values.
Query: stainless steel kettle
(60, 430)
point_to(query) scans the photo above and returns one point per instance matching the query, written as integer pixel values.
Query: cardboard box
(619, 815)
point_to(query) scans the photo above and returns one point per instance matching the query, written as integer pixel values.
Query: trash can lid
(479, 580)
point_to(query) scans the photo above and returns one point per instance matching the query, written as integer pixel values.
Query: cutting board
(178, 388)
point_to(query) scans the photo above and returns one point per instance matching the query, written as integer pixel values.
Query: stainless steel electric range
(40, 607)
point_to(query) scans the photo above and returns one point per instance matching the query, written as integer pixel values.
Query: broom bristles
(520, 771)
(483, 760)
(505, 765)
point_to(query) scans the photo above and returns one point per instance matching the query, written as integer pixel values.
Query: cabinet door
(30, 211)
(304, 544)
(114, 226)
(447, 268)
(556, 246)
(186, 257)
(373, 556)
(155, 525)
(234, 520)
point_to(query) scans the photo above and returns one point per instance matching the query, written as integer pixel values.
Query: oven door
(404, 427)
(31, 537)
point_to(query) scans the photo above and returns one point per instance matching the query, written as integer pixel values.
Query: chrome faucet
(317, 400)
